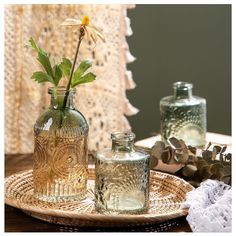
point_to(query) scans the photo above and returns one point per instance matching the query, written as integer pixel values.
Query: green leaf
(228, 157)
(166, 156)
(33, 44)
(43, 52)
(205, 172)
(207, 155)
(57, 74)
(201, 163)
(223, 149)
(157, 149)
(226, 180)
(65, 66)
(174, 142)
(185, 154)
(153, 162)
(84, 65)
(193, 150)
(45, 62)
(43, 57)
(85, 79)
(189, 170)
(36, 48)
(41, 76)
(52, 75)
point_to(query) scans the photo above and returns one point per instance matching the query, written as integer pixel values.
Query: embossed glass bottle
(60, 168)
(183, 116)
(122, 177)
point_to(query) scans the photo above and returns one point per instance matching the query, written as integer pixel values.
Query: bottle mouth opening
(182, 85)
(60, 90)
(123, 136)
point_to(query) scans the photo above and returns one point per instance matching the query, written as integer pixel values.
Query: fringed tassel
(129, 31)
(129, 82)
(129, 57)
(129, 110)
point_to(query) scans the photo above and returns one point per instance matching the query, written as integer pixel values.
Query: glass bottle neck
(118, 146)
(182, 90)
(122, 142)
(58, 97)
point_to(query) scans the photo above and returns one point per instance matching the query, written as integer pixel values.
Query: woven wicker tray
(167, 192)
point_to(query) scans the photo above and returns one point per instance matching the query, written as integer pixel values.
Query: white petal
(93, 37)
(71, 22)
(94, 30)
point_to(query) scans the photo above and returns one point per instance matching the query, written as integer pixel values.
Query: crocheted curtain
(103, 102)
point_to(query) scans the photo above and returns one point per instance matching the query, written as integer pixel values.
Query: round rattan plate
(167, 192)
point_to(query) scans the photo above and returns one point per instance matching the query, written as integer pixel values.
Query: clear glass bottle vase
(60, 168)
(122, 177)
(183, 116)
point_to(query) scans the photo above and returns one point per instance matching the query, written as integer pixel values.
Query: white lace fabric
(103, 102)
(210, 207)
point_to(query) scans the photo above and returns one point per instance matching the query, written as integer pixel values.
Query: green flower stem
(82, 32)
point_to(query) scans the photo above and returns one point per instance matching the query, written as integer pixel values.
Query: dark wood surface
(17, 221)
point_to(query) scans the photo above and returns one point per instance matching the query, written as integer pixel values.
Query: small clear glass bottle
(183, 116)
(60, 170)
(122, 177)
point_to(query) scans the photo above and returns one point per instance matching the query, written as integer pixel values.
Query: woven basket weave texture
(167, 192)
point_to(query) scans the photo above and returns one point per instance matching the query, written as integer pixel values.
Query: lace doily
(210, 207)
(103, 102)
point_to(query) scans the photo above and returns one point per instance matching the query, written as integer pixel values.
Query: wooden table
(17, 221)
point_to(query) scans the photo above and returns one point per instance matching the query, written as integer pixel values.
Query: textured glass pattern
(60, 169)
(183, 116)
(122, 180)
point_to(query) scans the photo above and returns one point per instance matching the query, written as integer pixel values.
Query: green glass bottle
(122, 177)
(60, 170)
(183, 116)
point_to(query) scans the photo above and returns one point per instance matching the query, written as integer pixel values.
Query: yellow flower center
(85, 20)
